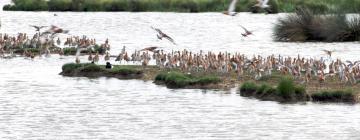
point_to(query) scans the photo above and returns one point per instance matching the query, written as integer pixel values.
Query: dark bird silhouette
(55, 30)
(329, 53)
(38, 28)
(151, 49)
(247, 32)
(162, 35)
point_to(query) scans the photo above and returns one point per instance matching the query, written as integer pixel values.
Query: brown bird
(162, 35)
(247, 32)
(55, 30)
(329, 53)
(151, 49)
(38, 28)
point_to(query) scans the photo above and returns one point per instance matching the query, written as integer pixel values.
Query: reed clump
(307, 25)
(286, 91)
(334, 96)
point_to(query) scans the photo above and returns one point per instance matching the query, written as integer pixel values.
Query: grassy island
(349, 6)
(93, 71)
(276, 87)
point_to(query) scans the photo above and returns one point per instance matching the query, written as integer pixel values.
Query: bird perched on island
(162, 35)
(231, 10)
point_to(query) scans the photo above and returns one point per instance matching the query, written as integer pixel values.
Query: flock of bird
(300, 68)
(48, 43)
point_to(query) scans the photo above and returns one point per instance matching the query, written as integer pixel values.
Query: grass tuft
(334, 96)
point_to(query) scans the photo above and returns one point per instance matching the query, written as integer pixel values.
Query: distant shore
(349, 6)
(271, 88)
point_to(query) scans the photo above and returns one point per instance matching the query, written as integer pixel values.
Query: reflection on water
(37, 103)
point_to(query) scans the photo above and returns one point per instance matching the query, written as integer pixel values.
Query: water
(37, 103)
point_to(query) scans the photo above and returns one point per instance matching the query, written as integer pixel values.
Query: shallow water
(37, 103)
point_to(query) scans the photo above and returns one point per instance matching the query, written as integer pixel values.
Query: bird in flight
(247, 32)
(151, 49)
(38, 28)
(55, 30)
(162, 35)
(263, 4)
(231, 9)
(329, 53)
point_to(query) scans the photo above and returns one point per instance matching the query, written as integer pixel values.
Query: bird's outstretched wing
(149, 49)
(157, 30)
(170, 39)
(246, 30)
(232, 6)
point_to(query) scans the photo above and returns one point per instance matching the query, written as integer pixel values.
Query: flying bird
(162, 35)
(55, 30)
(262, 4)
(231, 9)
(247, 32)
(151, 49)
(38, 28)
(329, 53)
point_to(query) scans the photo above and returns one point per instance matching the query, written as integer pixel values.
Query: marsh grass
(308, 25)
(248, 87)
(334, 96)
(93, 68)
(286, 91)
(176, 79)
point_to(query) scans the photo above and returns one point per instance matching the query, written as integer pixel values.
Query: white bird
(263, 4)
(231, 10)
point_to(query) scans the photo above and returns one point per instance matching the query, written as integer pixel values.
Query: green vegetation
(286, 91)
(334, 96)
(125, 70)
(286, 88)
(178, 5)
(248, 88)
(307, 25)
(86, 68)
(180, 80)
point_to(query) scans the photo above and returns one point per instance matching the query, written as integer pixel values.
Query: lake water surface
(37, 103)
